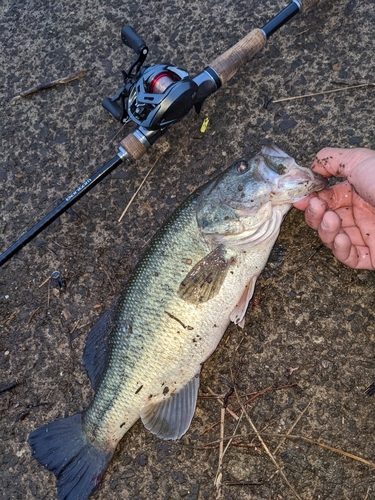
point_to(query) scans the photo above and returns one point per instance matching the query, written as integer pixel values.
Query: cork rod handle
(133, 147)
(226, 65)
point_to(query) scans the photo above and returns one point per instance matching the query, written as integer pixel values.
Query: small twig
(233, 396)
(219, 474)
(244, 483)
(12, 316)
(240, 444)
(222, 425)
(230, 441)
(137, 191)
(109, 279)
(74, 334)
(48, 85)
(259, 393)
(309, 258)
(222, 451)
(33, 314)
(45, 282)
(70, 334)
(327, 447)
(225, 438)
(267, 389)
(323, 92)
(290, 430)
(110, 142)
(48, 295)
(235, 444)
(75, 326)
(8, 387)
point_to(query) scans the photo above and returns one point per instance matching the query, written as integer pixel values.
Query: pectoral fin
(238, 313)
(171, 417)
(205, 279)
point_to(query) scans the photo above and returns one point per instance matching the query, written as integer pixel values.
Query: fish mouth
(284, 173)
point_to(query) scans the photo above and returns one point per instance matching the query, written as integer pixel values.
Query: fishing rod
(156, 97)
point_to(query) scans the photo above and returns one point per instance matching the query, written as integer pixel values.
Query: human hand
(344, 214)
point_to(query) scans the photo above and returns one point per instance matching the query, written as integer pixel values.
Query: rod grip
(306, 4)
(226, 65)
(133, 146)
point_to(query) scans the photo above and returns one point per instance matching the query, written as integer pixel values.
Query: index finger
(338, 162)
(357, 165)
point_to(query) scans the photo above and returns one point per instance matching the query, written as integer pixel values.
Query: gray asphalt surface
(312, 320)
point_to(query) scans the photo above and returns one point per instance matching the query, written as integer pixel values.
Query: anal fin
(171, 417)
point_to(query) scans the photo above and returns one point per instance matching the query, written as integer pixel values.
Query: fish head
(288, 181)
(247, 196)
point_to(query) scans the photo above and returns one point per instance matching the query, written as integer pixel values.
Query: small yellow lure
(205, 125)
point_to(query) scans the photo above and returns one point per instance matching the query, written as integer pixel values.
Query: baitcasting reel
(154, 97)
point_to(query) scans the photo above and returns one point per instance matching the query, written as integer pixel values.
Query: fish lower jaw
(312, 189)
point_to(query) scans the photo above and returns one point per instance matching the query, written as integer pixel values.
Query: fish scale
(144, 355)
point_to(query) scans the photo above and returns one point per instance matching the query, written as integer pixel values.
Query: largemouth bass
(144, 356)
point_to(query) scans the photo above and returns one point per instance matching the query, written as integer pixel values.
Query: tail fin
(62, 448)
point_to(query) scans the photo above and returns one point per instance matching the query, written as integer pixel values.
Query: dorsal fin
(96, 350)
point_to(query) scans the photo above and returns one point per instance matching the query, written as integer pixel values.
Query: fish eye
(242, 166)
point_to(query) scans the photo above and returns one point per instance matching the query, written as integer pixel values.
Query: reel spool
(162, 96)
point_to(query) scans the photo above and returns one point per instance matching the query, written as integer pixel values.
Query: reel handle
(112, 107)
(131, 39)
